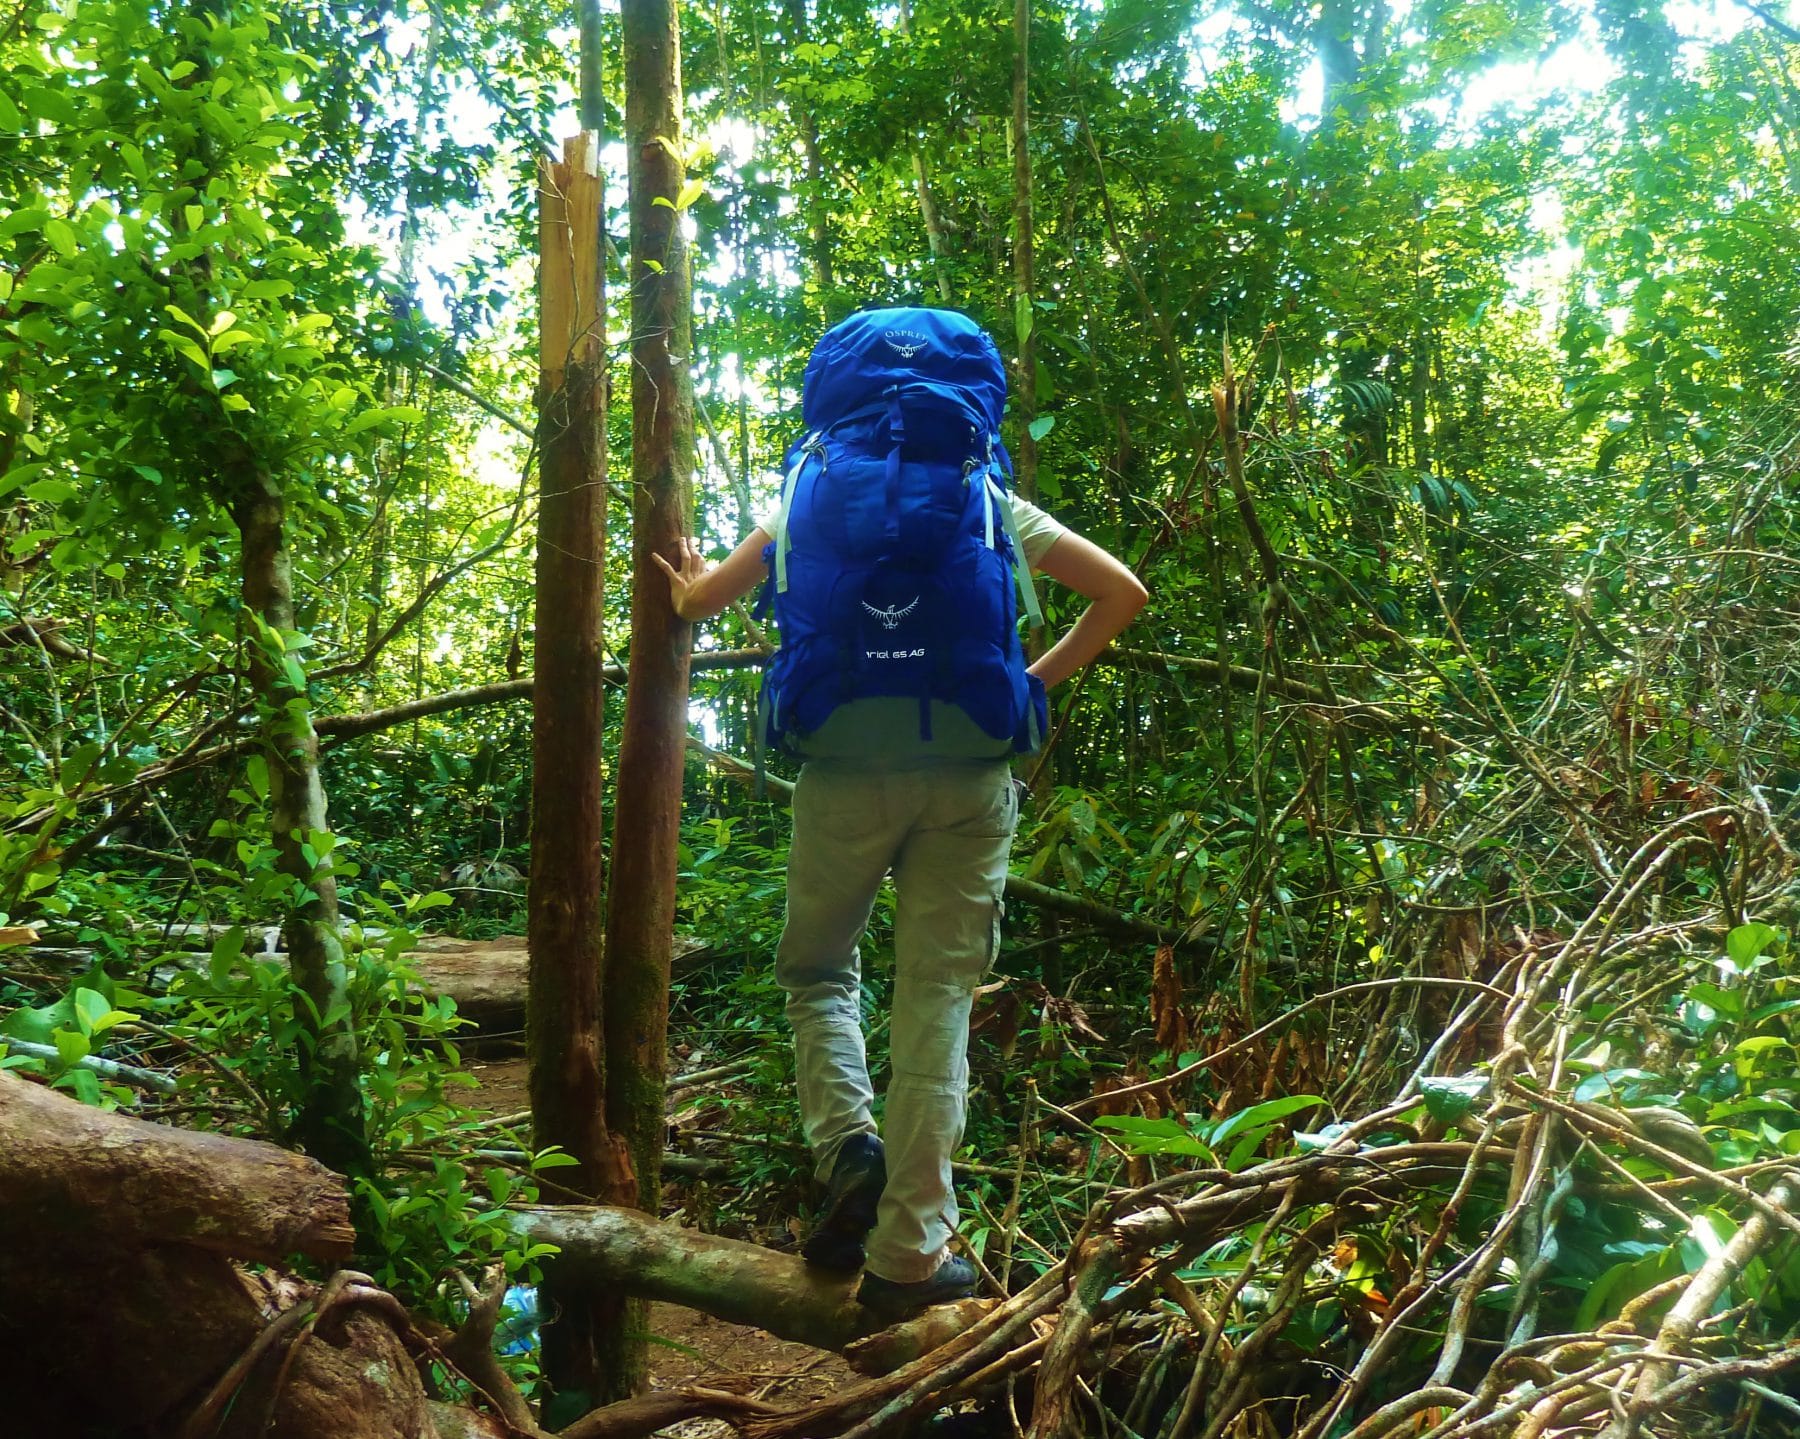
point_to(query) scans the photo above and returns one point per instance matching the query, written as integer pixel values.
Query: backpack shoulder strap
(782, 543)
(1021, 566)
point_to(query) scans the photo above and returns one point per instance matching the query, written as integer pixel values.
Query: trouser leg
(839, 856)
(948, 883)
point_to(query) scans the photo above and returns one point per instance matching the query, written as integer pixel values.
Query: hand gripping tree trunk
(330, 1123)
(563, 925)
(647, 818)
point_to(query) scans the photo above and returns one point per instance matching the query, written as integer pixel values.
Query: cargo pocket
(993, 955)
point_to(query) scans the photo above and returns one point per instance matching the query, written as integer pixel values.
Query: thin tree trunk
(1023, 255)
(934, 228)
(563, 1023)
(818, 217)
(652, 753)
(928, 210)
(330, 1123)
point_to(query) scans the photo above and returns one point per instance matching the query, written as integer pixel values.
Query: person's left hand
(684, 579)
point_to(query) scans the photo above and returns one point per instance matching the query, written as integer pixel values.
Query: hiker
(900, 681)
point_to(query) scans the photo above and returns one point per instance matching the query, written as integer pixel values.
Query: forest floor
(690, 1347)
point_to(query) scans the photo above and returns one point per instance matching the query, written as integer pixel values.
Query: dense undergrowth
(1456, 761)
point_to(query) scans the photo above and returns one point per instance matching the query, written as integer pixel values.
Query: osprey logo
(890, 618)
(906, 343)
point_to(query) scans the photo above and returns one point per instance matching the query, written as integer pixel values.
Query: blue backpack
(891, 571)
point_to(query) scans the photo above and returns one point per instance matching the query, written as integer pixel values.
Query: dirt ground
(689, 1347)
(709, 1350)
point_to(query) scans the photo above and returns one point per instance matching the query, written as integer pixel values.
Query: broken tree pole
(564, 923)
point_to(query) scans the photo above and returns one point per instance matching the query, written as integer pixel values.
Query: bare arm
(1116, 593)
(700, 591)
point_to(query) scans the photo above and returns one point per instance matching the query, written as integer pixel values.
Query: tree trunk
(652, 752)
(818, 215)
(928, 210)
(1024, 258)
(934, 228)
(563, 1022)
(330, 1123)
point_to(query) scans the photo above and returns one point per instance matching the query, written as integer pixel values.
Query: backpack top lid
(859, 359)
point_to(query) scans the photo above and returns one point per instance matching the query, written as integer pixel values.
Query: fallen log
(69, 1172)
(741, 1283)
(124, 1311)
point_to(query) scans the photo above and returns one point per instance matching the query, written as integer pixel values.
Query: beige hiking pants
(943, 830)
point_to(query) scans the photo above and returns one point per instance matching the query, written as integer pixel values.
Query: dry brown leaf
(1165, 1002)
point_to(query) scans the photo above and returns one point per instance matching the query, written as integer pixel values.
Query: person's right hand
(693, 567)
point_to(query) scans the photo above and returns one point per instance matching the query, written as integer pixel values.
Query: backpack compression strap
(782, 543)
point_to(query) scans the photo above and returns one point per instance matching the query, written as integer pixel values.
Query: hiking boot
(955, 1279)
(858, 1175)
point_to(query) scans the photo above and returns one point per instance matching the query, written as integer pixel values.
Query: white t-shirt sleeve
(1037, 530)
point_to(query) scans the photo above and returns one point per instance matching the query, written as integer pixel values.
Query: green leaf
(662, 200)
(19, 475)
(1024, 318)
(222, 322)
(1449, 1098)
(71, 1046)
(690, 192)
(227, 949)
(1748, 941)
(11, 121)
(1138, 1135)
(49, 492)
(61, 235)
(186, 319)
(1041, 426)
(400, 414)
(47, 104)
(21, 221)
(1262, 1115)
(182, 345)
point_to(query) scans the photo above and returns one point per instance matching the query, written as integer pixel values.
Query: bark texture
(72, 1173)
(565, 936)
(641, 914)
(330, 1123)
(737, 1282)
(640, 924)
(1024, 253)
(123, 1309)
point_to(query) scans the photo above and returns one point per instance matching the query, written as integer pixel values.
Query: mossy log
(737, 1282)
